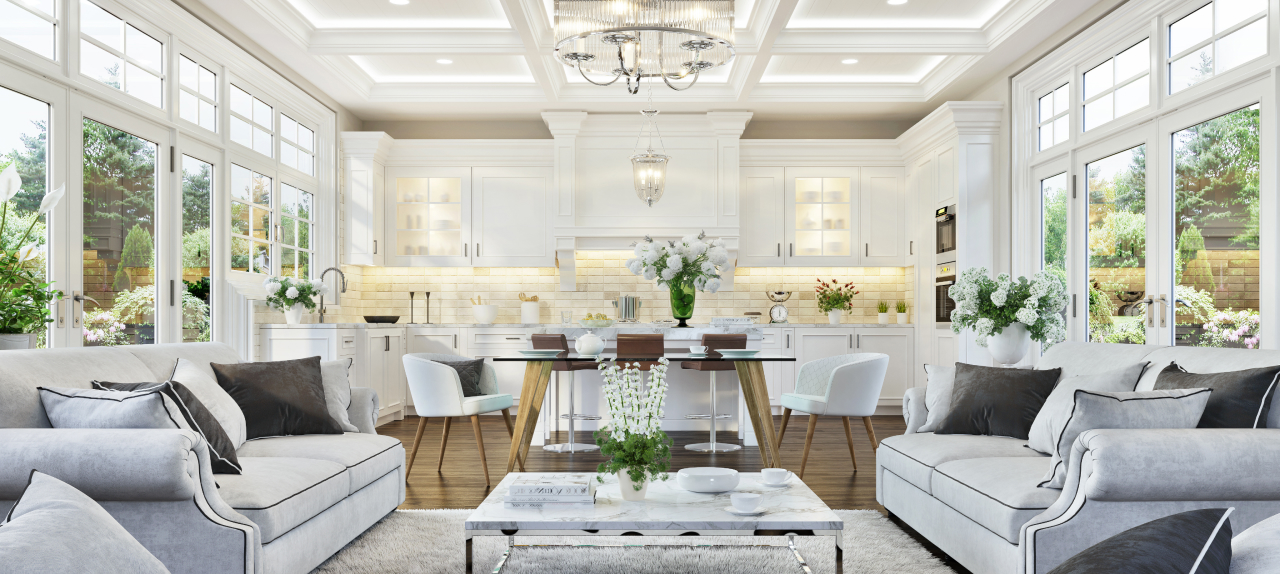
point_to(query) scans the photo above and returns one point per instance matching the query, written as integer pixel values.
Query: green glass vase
(682, 297)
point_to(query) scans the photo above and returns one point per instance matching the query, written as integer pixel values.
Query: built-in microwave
(946, 218)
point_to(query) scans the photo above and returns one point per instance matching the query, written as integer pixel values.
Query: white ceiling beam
(780, 12)
(522, 15)
(455, 92)
(880, 40)
(359, 41)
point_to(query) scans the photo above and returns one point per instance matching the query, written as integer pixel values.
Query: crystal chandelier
(670, 39)
(650, 169)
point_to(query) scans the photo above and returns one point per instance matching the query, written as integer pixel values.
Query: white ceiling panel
(426, 68)
(417, 13)
(881, 14)
(830, 68)
(742, 12)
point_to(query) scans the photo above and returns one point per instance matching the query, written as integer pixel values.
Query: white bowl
(745, 502)
(707, 479)
(485, 313)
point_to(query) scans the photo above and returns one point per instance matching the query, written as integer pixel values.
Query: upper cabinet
(823, 217)
(428, 216)
(511, 217)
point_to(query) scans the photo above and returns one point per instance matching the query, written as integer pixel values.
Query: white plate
(732, 510)
(735, 353)
(540, 352)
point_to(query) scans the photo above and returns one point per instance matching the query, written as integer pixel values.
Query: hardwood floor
(460, 482)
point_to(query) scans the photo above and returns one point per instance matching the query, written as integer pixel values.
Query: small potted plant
(882, 307)
(637, 448)
(834, 298)
(902, 311)
(1006, 315)
(292, 296)
(24, 295)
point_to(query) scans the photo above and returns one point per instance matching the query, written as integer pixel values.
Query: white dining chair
(437, 392)
(845, 386)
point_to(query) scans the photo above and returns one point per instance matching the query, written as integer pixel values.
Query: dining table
(750, 369)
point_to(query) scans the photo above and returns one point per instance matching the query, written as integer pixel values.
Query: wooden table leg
(766, 412)
(536, 376)
(749, 398)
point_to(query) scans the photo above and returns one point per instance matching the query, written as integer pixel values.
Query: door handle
(79, 298)
(171, 282)
(1151, 320)
(1164, 312)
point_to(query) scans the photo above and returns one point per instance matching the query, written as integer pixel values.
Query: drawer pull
(514, 338)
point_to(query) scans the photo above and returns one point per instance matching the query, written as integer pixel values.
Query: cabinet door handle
(791, 250)
(477, 249)
(375, 247)
(859, 341)
(867, 251)
(788, 341)
(465, 248)
(514, 338)
(171, 282)
(779, 249)
(850, 341)
(913, 247)
(455, 341)
(386, 342)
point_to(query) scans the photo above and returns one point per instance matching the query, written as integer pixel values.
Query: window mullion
(33, 11)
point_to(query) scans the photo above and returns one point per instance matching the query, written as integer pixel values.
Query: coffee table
(667, 510)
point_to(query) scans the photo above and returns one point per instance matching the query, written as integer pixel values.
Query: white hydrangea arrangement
(283, 292)
(633, 439)
(988, 306)
(694, 259)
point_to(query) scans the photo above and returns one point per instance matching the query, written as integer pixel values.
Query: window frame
(234, 81)
(1052, 121)
(128, 18)
(1117, 49)
(179, 51)
(57, 20)
(1166, 59)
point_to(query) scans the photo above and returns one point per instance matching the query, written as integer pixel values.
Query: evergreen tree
(139, 250)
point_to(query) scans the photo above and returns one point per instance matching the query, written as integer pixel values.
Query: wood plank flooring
(460, 482)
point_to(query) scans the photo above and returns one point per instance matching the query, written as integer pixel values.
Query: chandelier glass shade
(668, 39)
(649, 170)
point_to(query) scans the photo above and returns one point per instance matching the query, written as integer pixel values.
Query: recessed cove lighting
(404, 2)
(444, 61)
(891, 2)
(849, 61)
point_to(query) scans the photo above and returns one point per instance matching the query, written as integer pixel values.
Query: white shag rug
(430, 541)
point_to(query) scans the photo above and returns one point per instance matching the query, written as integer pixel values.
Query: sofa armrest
(363, 410)
(1121, 478)
(913, 409)
(106, 464)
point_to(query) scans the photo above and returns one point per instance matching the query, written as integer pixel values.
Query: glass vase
(682, 296)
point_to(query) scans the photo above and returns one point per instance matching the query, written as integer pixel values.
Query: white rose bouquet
(988, 306)
(284, 292)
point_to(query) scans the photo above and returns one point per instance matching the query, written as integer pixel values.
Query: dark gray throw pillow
(1189, 542)
(279, 397)
(54, 528)
(469, 374)
(222, 453)
(1241, 399)
(996, 400)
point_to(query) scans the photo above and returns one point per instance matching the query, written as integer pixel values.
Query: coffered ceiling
(797, 59)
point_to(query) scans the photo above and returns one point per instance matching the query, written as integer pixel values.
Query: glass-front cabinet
(428, 216)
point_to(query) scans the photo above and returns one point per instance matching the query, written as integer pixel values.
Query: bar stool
(715, 341)
(559, 341)
(641, 345)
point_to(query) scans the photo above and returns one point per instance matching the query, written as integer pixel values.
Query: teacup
(698, 349)
(745, 502)
(774, 475)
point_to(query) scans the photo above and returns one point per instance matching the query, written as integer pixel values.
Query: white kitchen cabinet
(898, 344)
(761, 205)
(779, 376)
(511, 217)
(491, 342)
(427, 216)
(379, 363)
(821, 217)
(814, 343)
(280, 344)
(883, 215)
(362, 220)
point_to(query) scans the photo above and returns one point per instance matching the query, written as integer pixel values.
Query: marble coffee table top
(666, 507)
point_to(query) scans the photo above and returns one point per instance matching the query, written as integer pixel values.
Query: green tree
(1217, 172)
(1055, 230)
(119, 182)
(196, 187)
(139, 250)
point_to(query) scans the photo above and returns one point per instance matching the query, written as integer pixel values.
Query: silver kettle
(627, 307)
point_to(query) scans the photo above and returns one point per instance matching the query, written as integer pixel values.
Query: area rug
(430, 541)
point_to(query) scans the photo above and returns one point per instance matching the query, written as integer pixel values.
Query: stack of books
(551, 491)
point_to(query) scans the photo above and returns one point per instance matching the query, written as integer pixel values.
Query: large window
(197, 249)
(30, 24)
(1053, 119)
(1215, 38)
(1118, 86)
(296, 144)
(251, 122)
(120, 55)
(1117, 246)
(198, 94)
(250, 221)
(24, 135)
(295, 232)
(1053, 224)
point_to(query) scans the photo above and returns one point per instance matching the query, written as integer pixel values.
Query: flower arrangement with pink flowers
(1231, 329)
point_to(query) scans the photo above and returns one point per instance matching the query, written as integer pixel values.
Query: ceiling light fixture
(649, 170)
(644, 38)
(849, 61)
(444, 61)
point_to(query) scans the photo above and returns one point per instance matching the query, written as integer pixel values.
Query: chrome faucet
(343, 289)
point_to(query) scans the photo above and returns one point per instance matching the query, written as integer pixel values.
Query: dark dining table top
(672, 357)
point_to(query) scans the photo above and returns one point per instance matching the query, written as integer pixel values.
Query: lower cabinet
(380, 366)
(896, 342)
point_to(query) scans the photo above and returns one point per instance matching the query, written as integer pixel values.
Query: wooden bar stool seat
(559, 341)
(714, 342)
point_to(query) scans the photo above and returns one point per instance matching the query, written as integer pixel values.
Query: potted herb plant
(901, 306)
(1007, 315)
(292, 296)
(633, 440)
(882, 312)
(685, 267)
(24, 295)
(834, 299)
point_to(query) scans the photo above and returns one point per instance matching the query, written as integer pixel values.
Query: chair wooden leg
(475, 424)
(511, 432)
(848, 436)
(808, 441)
(871, 433)
(417, 439)
(786, 417)
(444, 439)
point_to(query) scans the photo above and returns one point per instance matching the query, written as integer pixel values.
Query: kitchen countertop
(558, 328)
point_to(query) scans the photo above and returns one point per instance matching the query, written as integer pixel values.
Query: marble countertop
(558, 328)
(666, 507)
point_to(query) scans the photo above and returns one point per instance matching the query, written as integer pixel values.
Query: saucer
(783, 483)
(732, 510)
(697, 356)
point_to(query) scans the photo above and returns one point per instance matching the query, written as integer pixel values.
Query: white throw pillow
(216, 399)
(1161, 409)
(1057, 408)
(337, 391)
(937, 395)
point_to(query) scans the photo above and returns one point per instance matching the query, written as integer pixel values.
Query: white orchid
(51, 199)
(28, 252)
(10, 182)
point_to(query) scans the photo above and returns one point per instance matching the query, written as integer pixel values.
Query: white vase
(883, 317)
(485, 314)
(628, 489)
(529, 312)
(833, 316)
(17, 341)
(1010, 345)
(902, 318)
(293, 315)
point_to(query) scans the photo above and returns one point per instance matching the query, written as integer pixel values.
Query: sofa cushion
(216, 399)
(279, 397)
(1197, 541)
(25, 370)
(1057, 409)
(937, 395)
(280, 493)
(1257, 549)
(160, 358)
(365, 456)
(1211, 360)
(996, 400)
(913, 457)
(998, 493)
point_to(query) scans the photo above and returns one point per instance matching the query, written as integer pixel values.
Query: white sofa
(975, 497)
(299, 500)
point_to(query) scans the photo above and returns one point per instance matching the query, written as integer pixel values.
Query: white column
(564, 127)
(728, 127)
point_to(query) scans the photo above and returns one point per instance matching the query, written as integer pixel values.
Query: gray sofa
(299, 500)
(975, 497)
